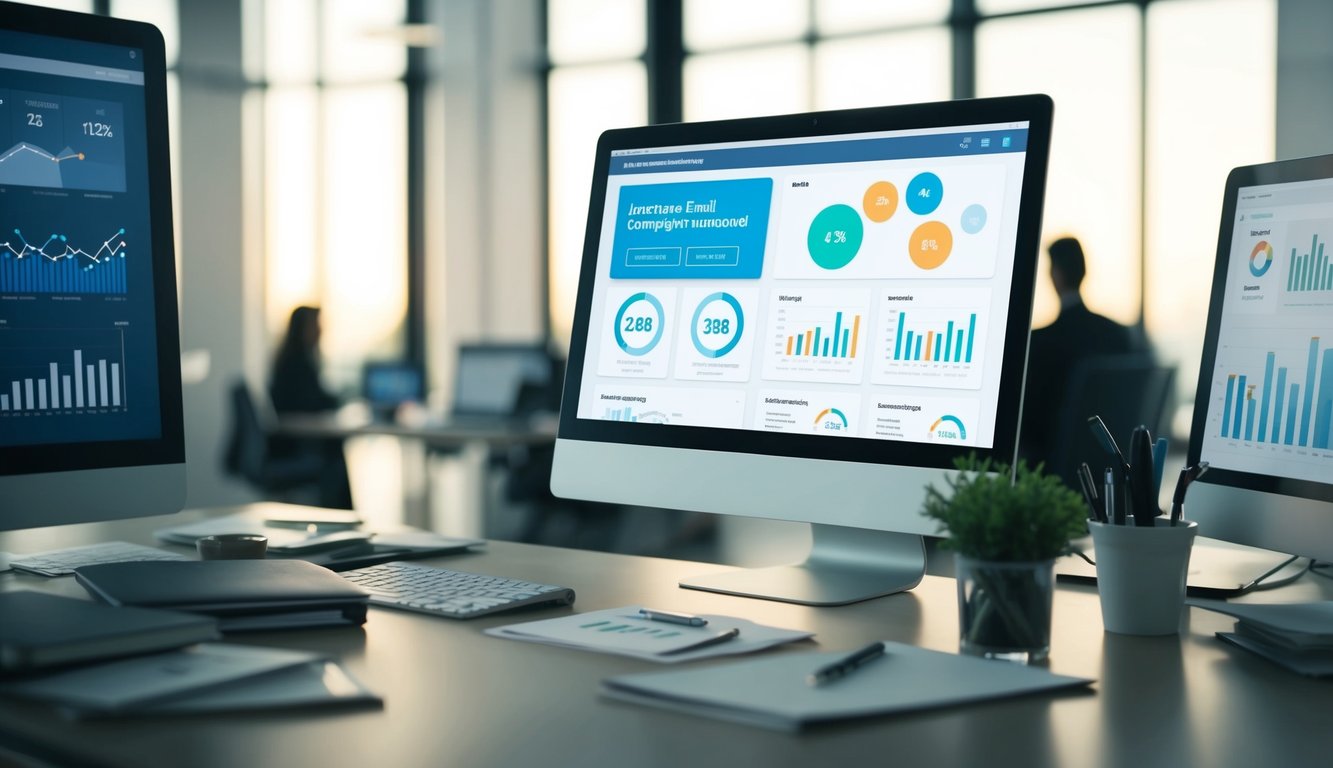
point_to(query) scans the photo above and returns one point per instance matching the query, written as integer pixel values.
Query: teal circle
(924, 193)
(657, 336)
(974, 219)
(699, 346)
(835, 236)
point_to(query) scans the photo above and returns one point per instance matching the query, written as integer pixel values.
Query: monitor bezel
(1281, 172)
(1035, 110)
(169, 446)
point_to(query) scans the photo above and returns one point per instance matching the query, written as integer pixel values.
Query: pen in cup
(1115, 514)
(846, 665)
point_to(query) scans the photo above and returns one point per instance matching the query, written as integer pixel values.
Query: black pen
(846, 665)
(1187, 475)
(1087, 496)
(1085, 476)
(671, 617)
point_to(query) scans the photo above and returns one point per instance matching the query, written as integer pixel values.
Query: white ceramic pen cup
(1141, 575)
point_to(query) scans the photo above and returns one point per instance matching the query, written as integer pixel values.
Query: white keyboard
(453, 594)
(62, 562)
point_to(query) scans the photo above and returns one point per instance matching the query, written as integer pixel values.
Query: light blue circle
(694, 325)
(924, 193)
(661, 320)
(974, 218)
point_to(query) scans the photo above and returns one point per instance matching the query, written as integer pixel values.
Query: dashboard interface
(1270, 403)
(855, 285)
(78, 346)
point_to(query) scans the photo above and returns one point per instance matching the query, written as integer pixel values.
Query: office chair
(250, 456)
(1126, 391)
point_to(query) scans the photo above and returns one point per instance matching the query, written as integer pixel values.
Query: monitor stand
(845, 565)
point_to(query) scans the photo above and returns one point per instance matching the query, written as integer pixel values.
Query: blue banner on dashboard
(700, 229)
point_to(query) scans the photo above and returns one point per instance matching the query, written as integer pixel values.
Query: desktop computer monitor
(806, 318)
(90, 389)
(1263, 412)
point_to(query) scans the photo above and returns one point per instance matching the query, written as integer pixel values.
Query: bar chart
(949, 343)
(932, 338)
(837, 340)
(1310, 271)
(43, 380)
(1285, 406)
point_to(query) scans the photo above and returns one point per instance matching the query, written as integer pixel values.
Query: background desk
(456, 697)
(473, 440)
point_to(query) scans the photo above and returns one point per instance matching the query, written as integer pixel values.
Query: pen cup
(1141, 575)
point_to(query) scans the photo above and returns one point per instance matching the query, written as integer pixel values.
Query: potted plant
(1006, 528)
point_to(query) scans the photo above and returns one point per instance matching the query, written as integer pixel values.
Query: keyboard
(452, 594)
(62, 562)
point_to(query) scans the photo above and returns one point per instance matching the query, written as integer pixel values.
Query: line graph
(57, 266)
(24, 146)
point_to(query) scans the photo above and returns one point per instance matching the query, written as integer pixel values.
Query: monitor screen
(491, 377)
(806, 318)
(1263, 409)
(89, 338)
(388, 385)
(854, 286)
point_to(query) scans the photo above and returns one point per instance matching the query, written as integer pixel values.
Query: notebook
(243, 594)
(39, 630)
(772, 692)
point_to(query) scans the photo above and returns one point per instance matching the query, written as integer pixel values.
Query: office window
(335, 161)
(857, 16)
(710, 24)
(1211, 101)
(894, 68)
(579, 111)
(1006, 6)
(767, 81)
(79, 6)
(598, 81)
(1088, 62)
(595, 30)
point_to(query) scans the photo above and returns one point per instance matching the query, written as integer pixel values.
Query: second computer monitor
(808, 318)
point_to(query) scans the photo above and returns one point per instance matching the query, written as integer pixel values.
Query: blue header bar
(988, 142)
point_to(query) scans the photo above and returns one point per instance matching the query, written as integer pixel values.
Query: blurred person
(1077, 333)
(295, 388)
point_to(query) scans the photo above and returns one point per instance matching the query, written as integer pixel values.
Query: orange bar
(810, 342)
(789, 340)
(856, 333)
(930, 338)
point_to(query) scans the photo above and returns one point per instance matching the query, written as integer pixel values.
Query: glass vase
(1004, 608)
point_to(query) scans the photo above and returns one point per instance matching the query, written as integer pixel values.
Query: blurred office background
(420, 169)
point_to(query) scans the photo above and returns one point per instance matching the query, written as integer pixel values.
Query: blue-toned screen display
(78, 346)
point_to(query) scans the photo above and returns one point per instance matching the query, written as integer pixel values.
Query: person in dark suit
(1077, 333)
(295, 387)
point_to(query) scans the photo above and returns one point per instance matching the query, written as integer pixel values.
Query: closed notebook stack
(243, 595)
(40, 631)
(1298, 636)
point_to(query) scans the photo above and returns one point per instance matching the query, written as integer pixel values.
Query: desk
(475, 440)
(454, 696)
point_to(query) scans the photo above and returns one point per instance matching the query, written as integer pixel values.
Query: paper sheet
(621, 631)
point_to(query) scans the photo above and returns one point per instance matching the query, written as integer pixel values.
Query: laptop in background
(387, 385)
(501, 382)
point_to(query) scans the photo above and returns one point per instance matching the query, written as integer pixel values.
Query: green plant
(988, 516)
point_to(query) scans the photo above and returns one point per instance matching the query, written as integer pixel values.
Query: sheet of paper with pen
(623, 631)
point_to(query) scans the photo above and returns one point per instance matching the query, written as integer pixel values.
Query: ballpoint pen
(1088, 496)
(1115, 514)
(671, 617)
(1085, 476)
(846, 665)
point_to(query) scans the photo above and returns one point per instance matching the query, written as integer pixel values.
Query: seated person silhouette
(1077, 333)
(295, 387)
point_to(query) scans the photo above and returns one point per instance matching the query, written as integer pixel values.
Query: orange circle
(880, 201)
(930, 244)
